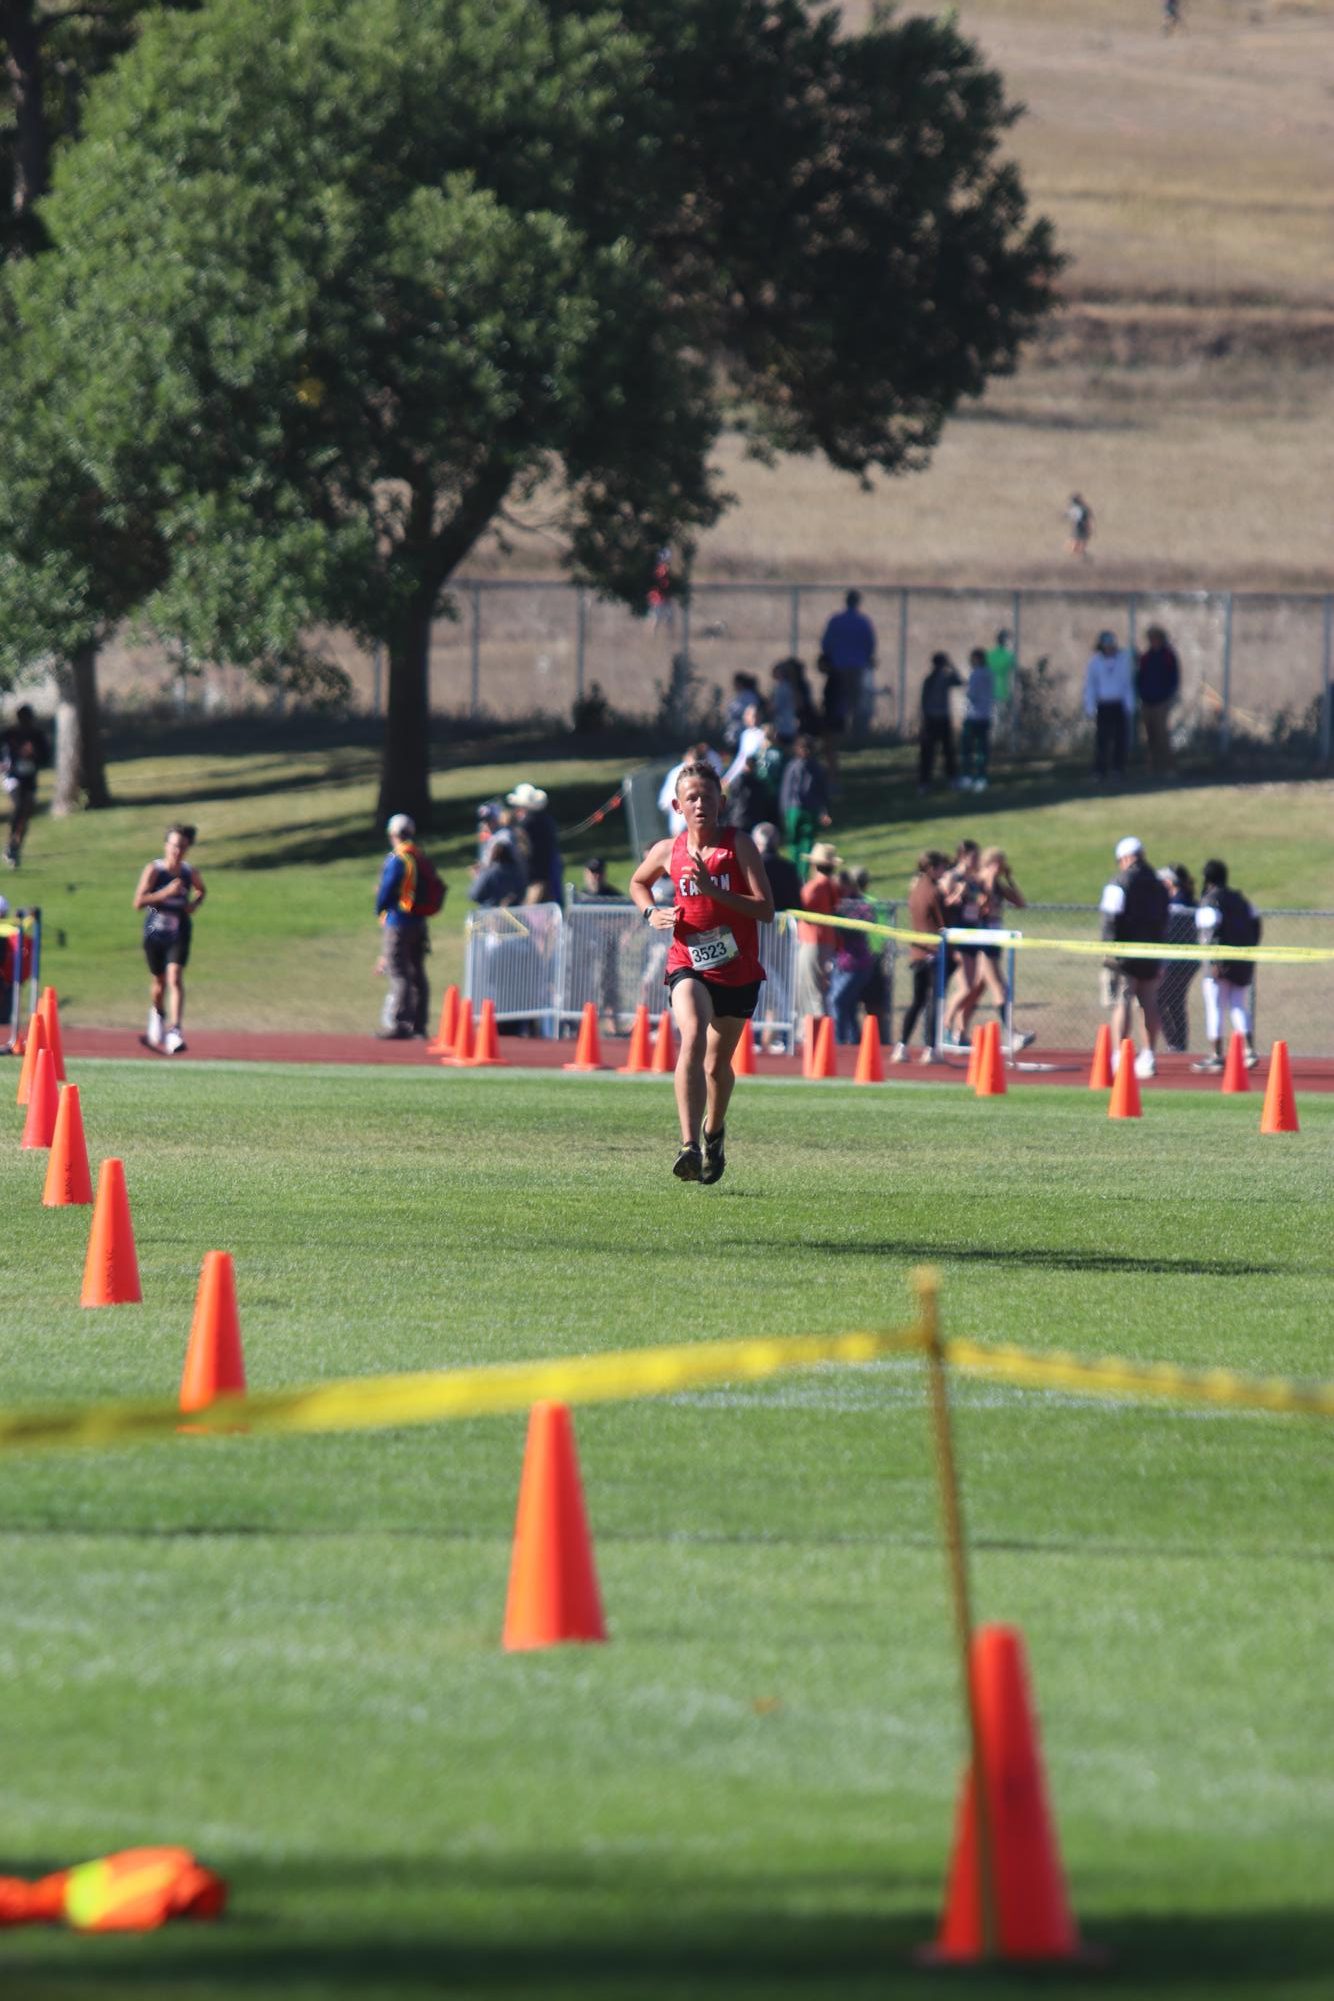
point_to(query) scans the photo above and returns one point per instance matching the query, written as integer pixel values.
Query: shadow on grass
(540, 1942)
(1043, 1257)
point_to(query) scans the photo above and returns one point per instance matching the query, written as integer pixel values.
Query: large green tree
(339, 280)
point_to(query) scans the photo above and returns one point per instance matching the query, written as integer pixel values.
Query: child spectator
(803, 799)
(979, 702)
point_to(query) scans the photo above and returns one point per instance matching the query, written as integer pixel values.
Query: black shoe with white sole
(689, 1166)
(715, 1160)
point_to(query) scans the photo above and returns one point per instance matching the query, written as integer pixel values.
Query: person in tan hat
(546, 875)
(816, 942)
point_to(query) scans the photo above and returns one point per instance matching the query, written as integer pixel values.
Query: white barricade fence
(512, 957)
(613, 958)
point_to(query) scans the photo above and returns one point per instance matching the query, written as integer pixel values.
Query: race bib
(710, 949)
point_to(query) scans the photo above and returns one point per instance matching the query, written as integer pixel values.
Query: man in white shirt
(1109, 702)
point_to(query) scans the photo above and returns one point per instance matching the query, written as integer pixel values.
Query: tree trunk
(405, 773)
(80, 770)
(32, 132)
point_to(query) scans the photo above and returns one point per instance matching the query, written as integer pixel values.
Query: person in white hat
(1134, 907)
(546, 872)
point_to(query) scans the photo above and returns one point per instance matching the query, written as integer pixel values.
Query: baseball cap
(400, 826)
(1106, 639)
(1129, 846)
(595, 864)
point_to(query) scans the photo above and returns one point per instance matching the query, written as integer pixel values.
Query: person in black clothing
(1177, 974)
(24, 751)
(1134, 907)
(785, 882)
(1226, 918)
(749, 800)
(546, 878)
(937, 726)
(1158, 684)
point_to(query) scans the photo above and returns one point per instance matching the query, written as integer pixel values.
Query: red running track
(1037, 1066)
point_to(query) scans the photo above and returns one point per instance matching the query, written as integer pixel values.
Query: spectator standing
(24, 751)
(750, 742)
(501, 880)
(979, 702)
(745, 696)
(937, 732)
(821, 894)
(1080, 516)
(15, 968)
(1109, 703)
(169, 892)
(1158, 686)
(1002, 662)
(876, 992)
(785, 883)
(749, 799)
(849, 645)
(1177, 974)
(783, 701)
(852, 964)
(1226, 918)
(803, 799)
(1134, 908)
(398, 905)
(597, 888)
(546, 876)
(926, 913)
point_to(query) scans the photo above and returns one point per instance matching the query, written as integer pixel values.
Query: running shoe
(1251, 1060)
(929, 1056)
(1024, 1039)
(1210, 1066)
(899, 1053)
(689, 1164)
(154, 1036)
(1146, 1064)
(173, 1042)
(715, 1160)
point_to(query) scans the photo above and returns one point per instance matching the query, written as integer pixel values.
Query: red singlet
(719, 943)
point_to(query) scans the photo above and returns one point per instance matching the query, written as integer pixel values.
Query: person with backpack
(1224, 917)
(1134, 909)
(410, 892)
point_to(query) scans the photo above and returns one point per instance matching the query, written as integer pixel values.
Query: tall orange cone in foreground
(553, 1590)
(664, 1050)
(824, 1062)
(111, 1269)
(991, 1064)
(588, 1049)
(68, 1182)
(486, 1050)
(1100, 1075)
(461, 1052)
(449, 1023)
(1124, 1102)
(33, 1045)
(640, 1053)
(49, 1009)
(743, 1057)
(1280, 1110)
(214, 1364)
(870, 1057)
(1235, 1075)
(1032, 1913)
(39, 1128)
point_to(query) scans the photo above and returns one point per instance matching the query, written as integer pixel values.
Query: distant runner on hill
(169, 893)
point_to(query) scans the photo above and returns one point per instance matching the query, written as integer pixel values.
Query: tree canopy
(336, 280)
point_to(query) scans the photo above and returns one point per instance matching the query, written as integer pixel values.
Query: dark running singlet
(165, 921)
(717, 943)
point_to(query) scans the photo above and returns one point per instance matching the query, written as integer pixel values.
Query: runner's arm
(661, 916)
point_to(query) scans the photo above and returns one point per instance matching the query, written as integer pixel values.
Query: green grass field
(285, 1652)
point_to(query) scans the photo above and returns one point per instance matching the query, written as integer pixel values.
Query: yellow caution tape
(1094, 948)
(1112, 1377)
(370, 1403)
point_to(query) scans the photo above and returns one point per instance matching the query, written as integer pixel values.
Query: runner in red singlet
(713, 972)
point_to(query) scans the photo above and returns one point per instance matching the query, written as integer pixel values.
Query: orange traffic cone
(976, 1040)
(588, 1049)
(664, 1050)
(991, 1064)
(640, 1054)
(449, 1024)
(1235, 1074)
(214, 1364)
(809, 1036)
(824, 1063)
(1124, 1102)
(111, 1269)
(68, 1182)
(34, 1043)
(461, 1052)
(1100, 1076)
(743, 1056)
(870, 1057)
(1031, 1912)
(1280, 1110)
(553, 1590)
(49, 1009)
(486, 1050)
(39, 1128)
